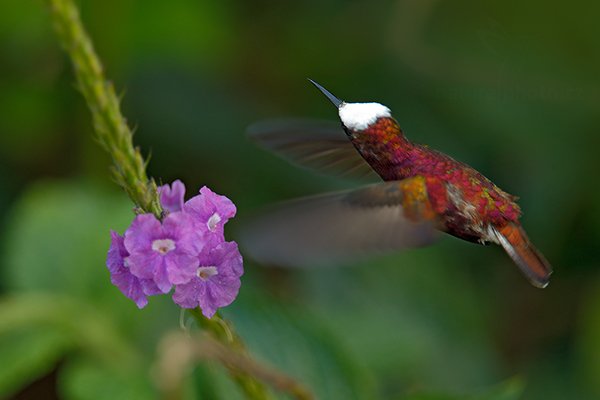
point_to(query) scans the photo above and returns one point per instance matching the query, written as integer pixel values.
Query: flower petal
(216, 290)
(130, 286)
(121, 276)
(171, 197)
(180, 227)
(204, 206)
(116, 252)
(161, 278)
(231, 258)
(144, 265)
(221, 204)
(226, 257)
(181, 267)
(143, 230)
(149, 287)
(220, 293)
(187, 295)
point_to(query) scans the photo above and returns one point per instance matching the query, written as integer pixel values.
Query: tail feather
(532, 263)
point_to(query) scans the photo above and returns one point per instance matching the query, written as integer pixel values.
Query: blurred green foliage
(511, 88)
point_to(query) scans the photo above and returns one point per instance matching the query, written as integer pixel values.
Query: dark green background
(510, 87)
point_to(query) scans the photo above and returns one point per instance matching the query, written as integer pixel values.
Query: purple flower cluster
(187, 250)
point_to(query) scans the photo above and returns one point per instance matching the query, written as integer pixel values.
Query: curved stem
(224, 333)
(129, 169)
(245, 371)
(112, 131)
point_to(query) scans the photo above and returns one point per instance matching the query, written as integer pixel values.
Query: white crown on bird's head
(356, 116)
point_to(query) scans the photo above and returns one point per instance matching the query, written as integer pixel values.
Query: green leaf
(28, 354)
(58, 237)
(509, 390)
(85, 378)
(55, 250)
(36, 331)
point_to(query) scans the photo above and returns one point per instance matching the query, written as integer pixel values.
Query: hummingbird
(423, 192)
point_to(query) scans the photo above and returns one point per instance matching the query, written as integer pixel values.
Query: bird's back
(450, 183)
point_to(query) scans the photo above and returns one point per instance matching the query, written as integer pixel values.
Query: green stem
(224, 333)
(129, 167)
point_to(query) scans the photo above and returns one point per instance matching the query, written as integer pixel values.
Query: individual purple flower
(210, 211)
(216, 282)
(130, 285)
(171, 197)
(167, 252)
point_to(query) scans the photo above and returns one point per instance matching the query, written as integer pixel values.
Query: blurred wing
(338, 227)
(316, 145)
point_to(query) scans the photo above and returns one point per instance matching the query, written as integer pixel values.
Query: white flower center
(213, 221)
(163, 246)
(359, 116)
(206, 272)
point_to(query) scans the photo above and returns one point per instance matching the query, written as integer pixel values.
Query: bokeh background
(510, 87)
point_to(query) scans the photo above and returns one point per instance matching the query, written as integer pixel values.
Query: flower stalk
(129, 167)
(112, 131)
(177, 352)
(224, 333)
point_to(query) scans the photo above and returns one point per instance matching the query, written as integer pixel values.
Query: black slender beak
(336, 102)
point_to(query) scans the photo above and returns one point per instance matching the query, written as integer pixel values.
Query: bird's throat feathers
(382, 144)
(384, 130)
(374, 132)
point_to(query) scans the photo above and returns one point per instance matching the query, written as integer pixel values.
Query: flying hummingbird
(424, 192)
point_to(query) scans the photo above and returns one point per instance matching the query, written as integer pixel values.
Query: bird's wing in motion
(341, 227)
(316, 145)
